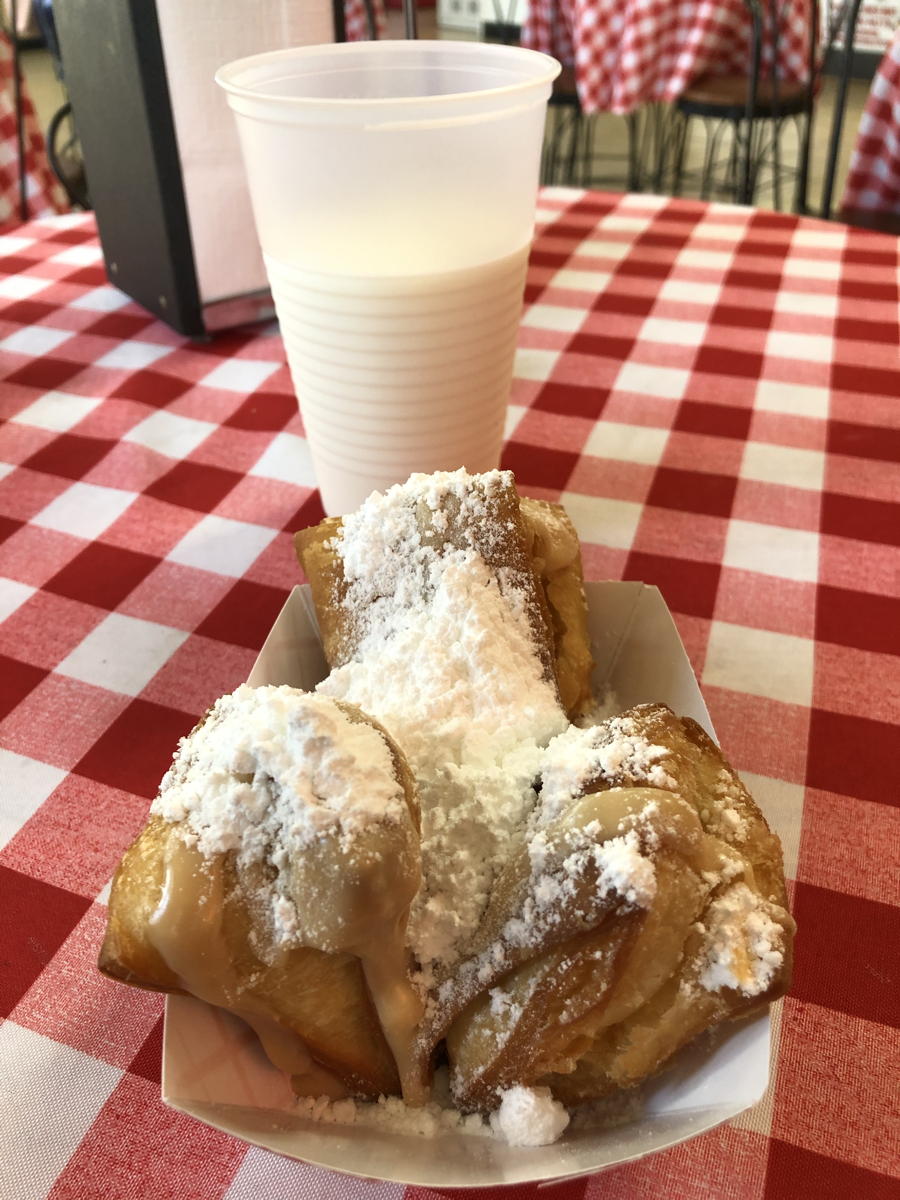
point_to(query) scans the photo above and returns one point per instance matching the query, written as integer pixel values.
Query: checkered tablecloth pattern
(636, 52)
(44, 194)
(713, 394)
(873, 178)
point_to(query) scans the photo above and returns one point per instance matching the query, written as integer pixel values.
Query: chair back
(841, 25)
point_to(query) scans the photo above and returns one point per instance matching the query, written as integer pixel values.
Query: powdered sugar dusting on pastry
(446, 659)
(614, 751)
(270, 771)
(743, 943)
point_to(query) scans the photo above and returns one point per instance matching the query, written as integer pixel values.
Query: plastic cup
(393, 188)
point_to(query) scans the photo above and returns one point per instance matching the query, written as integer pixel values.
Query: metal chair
(754, 109)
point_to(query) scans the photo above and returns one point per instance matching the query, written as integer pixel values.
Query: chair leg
(679, 127)
(776, 162)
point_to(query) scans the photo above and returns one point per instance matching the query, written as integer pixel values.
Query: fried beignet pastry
(437, 625)
(274, 879)
(529, 546)
(647, 906)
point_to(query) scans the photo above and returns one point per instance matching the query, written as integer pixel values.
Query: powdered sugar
(614, 751)
(269, 772)
(529, 1116)
(446, 659)
(743, 943)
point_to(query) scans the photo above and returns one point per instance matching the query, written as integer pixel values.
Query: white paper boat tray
(214, 1070)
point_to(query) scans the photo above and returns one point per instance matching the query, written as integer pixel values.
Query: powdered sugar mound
(390, 1114)
(445, 657)
(270, 771)
(529, 1116)
(743, 943)
(614, 751)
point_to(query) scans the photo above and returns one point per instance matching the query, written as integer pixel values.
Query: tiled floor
(608, 168)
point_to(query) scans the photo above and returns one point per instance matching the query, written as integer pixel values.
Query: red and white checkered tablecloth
(44, 193)
(713, 394)
(635, 52)
(873, 178)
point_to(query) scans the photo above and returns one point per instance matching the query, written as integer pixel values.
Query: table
(635, 52)
(873, 177)
(712, 392)
(45, 194)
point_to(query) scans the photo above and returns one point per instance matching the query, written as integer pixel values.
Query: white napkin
(198, 37)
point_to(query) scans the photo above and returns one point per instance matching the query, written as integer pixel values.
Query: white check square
(672, 333)
(576, 280)
(26, 784)
(57, 410)
(535, 364)
(553, 316)
(287, 458)
(11, 244)
(45, 1132)
(35, 340)
(760, 663)
(811, 268)
(101, 299)
(79, 256)
(84, 510)
(601, 248)
(806, 347)
(669, 383)
(169, 433)
(787, 465)
(12, 596)
(239, 374)
(122, 654)
(603, 521)
(813, 304)
(514, 414)
(712, 260)
(626, 443)
(782, 806)
(222, 545)
(793, 399)
(132, 356)
(772, 550)
(20, 287)
(688, 290)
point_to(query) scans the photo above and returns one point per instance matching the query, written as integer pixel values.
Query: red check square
(91, 1021)
(245, 615)
(69, 455)
(687, 587)
(269, 411)
(76, 838)
(853, 618)
(101, 575)
(824, 1096)
(148, 1060)
(794, 1171)
(59, 720)
(852, 755)
(194, 485)
(45, 373)
(836, 848)
(137, 748)
(692, 491)
(29, 946)
(46, 628)
(154, 388)
(17, 679)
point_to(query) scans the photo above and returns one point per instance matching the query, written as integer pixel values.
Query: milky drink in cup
(393, 186)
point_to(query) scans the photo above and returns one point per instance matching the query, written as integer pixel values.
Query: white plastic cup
(393, 188)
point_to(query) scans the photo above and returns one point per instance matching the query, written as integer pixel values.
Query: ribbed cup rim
(236, 77)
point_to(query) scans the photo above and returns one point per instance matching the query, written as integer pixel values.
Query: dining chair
(755, 106)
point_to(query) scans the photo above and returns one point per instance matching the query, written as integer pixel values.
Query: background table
(873, 178)
(43, 191)
(635, 52)
(711, 391)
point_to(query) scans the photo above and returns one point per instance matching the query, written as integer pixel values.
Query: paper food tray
(213, 1068)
